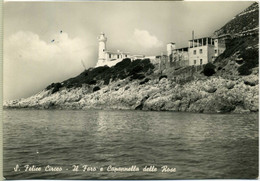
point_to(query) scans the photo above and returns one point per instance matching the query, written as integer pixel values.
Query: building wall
(182, 63)
(200, 57)
(125, 55)
(211, 53)
(112, 56)
(220, 47)
(102, 48)
(134, 57)
(170, 47)
(179, 56)
(153, 59)
(206, 50)
(105, 57)
(208, 53)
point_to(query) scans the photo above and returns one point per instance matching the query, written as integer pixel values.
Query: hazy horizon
(32, 60)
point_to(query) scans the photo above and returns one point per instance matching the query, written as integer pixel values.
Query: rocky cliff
(246, 21)
(230, 84)
(213, 94)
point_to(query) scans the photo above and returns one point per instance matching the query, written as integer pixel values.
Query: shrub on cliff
(250, 58)
(244, 69)
(209, 69)
(249, 54)
(239, 44)
(92, 82)
(123, 64)
(50, 86)
(249, 83)
(137, 76)
(144, 81)
(56, 87)
(96, 89)
(99, 70)
(162, 76)
(136, 69)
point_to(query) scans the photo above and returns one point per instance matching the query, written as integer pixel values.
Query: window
(200, 51)
(204, 41)
(126, 56)
(109, 55)
(209, 41)
(216, 51)
(191, 44)
(200, 61)
(117, 56)
(194, 62)
(194, 52)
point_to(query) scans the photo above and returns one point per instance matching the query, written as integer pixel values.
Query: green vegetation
(250, 58)
(162, 76)
(137, 76)
(56, 87)
(144, 81)
(249, 83)
(136, 69)
(244, 27)
(96, 88)
(209, 69)
(246, 50)
(240, 56)
(240, 45)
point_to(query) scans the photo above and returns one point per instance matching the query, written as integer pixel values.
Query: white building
(110, 58)
(199, 51)
(205, 50)
(177, 57)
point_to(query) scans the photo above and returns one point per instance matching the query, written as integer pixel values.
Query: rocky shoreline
(209, 95)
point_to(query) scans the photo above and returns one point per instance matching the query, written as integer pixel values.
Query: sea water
(98, 144)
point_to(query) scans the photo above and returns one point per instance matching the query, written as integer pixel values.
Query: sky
(32, 60)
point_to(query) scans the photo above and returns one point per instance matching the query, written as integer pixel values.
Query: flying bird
(52, 40)
(61, 31)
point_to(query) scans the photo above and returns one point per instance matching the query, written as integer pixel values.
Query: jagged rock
(172, 105)
(210, 89)
(241, 110)
(214, 94)
(229, 85)
(141, 105)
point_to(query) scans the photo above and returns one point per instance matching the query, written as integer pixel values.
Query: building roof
(118, 53)
(138, 55)
(181, 48)
(200, 38)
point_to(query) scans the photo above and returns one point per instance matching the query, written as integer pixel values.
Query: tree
(209, 69)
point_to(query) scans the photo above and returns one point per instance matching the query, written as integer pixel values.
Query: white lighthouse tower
(102, 48)
(170, 47)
